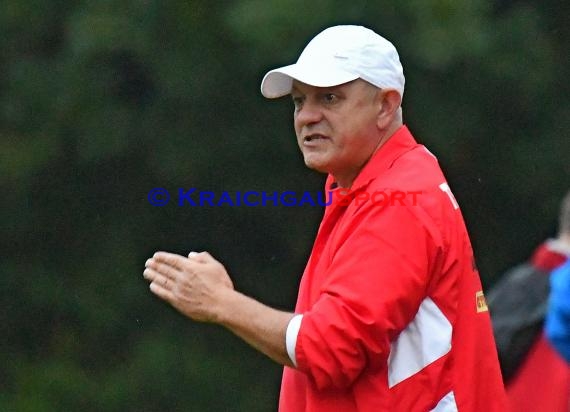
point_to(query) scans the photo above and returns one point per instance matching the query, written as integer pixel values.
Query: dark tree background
(102, 101)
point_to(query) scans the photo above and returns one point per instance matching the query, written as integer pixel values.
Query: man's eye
(330, 98)
(297, 102)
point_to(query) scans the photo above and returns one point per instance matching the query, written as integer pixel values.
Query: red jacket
(394, 318)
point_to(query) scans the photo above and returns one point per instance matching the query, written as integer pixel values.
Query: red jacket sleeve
(376, 279)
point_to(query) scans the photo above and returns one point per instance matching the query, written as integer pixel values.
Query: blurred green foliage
(102, 101)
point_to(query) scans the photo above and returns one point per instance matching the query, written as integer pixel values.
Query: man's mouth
(313, 137)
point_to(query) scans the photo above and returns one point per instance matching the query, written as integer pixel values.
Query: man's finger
(206, 257)
(155, 277)
(150, 274)
(163, 269)
(161, 292)
(170, 259)
(202, 257)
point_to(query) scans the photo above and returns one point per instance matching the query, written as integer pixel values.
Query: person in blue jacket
(557, 325)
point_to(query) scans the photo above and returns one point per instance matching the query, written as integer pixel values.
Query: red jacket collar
(548, 256)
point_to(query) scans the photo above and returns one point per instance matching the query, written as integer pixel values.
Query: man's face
(336, 126)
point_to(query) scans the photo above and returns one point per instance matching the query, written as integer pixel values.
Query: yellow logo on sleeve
(480, 302)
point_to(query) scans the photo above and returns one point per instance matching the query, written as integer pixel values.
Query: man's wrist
(228, 303)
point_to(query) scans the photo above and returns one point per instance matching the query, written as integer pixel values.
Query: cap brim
(278, 82)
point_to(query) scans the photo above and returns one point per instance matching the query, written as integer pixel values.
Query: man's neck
(347, 181)
(564, 238)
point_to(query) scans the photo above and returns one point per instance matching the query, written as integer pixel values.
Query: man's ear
(391, 101)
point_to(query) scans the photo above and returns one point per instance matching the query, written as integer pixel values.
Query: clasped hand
(194, 285)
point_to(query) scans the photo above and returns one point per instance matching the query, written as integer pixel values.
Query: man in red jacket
(390, 314)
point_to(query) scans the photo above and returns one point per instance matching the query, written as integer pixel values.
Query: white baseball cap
(338, 55)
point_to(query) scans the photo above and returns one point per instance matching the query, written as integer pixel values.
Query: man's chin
(316, 166)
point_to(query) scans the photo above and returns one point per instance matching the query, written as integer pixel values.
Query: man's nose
(309, 113)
